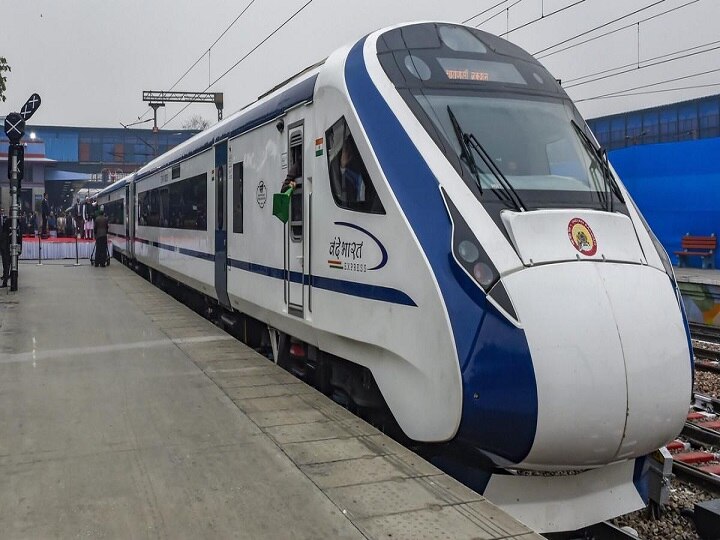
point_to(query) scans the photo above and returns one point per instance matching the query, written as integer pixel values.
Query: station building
(669, 159)
(67, 162)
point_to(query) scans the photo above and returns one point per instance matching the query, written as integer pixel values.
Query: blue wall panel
(60, 146)
(676, 186)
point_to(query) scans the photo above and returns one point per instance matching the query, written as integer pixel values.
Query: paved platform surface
(697, 275)
(123, 414)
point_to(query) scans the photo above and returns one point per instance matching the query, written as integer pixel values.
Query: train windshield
(521, 145)
(500, 118)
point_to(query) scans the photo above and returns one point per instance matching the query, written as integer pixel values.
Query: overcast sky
(90, 60)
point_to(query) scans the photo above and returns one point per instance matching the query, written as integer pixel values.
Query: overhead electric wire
(207, 51)
(484, 11)
(213, 44)
(635, 69)
(503, 10)
(271, 34)
(649, 85)
(544, 17)
(610, 32)
(628, 94)
(536, 53)
(566, 81)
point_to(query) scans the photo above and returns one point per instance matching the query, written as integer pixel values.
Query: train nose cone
(611, 360)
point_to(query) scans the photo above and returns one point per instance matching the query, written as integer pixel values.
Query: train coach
(459, 261)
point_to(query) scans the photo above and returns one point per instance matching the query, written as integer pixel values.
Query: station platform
(700, 289)
(697, 275)
(123, 414)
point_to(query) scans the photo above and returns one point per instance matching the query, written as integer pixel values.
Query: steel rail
(696, 475)
(705, 332)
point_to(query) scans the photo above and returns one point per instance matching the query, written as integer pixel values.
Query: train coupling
(659, 476)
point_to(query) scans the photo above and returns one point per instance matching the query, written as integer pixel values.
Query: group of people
(88, 218)
(91, 222)
(83, 213)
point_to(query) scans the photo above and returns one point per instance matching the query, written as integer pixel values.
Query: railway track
(695, 454)
(705, 359)
(704, 332)
(707, 364)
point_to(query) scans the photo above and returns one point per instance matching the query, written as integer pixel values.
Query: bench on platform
(699, 246)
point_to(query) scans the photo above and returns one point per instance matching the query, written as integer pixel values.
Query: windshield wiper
(601, 155)
(465, 152)
(469, 142)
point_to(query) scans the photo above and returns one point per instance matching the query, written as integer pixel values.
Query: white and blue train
(459, 254)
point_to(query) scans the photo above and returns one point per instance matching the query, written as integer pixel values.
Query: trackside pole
(14, 126)
(39, 250)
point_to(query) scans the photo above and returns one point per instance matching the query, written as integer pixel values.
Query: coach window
(115, 212)
(180, 205)
(350, 182)
(238, 197)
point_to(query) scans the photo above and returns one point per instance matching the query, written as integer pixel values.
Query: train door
(132, 212)
(294, 230)
(128, 206)
(221, 191)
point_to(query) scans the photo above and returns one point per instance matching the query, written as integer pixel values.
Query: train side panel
(255, 237)
(186, 255)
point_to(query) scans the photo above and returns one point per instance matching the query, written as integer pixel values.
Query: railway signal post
(15, 129)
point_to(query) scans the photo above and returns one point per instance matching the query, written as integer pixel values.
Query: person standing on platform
(60, 224)
(101, 229)
(88, 218)
(33, 223)
(78, 212)
(52, 224)
(45, 214)
(5, 251)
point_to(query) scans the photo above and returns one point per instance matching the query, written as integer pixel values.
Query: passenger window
(181, 205)
(350, 182)
(238, 197)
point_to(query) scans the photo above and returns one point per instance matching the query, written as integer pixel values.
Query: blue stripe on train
(499, 388)
(352, 288)
(177, 249)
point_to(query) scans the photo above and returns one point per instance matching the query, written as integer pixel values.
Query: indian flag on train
(319, 147)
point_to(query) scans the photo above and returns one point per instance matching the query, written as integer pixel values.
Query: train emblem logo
(261, 194)
(581, 237)
(356, 249)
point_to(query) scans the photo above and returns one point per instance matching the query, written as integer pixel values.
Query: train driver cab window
(350, 182)
(295, 168)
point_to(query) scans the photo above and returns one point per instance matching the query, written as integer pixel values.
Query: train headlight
(484, 275)
(468, 251)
